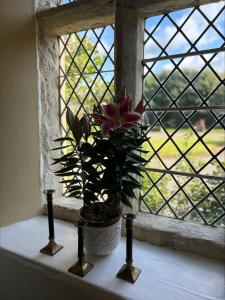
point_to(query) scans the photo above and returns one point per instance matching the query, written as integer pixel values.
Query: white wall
(19, 141)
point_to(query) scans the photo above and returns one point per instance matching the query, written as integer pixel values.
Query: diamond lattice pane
(86, 70)
(184, 94)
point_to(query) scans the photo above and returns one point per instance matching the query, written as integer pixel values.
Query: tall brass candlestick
(128, 272)
(52, 248)
(81, 267)
(129, 240)
(50, 214)
(80, 241)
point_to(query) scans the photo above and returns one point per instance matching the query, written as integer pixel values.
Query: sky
(192, 28)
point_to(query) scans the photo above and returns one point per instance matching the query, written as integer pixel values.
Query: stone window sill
(165, 273)
(157, 230)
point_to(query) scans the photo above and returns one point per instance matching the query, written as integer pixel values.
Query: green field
(184, 139)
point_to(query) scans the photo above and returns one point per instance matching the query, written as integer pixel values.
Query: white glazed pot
(102, 240)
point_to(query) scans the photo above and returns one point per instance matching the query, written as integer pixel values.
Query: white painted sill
(157, 230)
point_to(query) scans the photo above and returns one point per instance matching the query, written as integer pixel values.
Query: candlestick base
(51, 249)
(128, 273)
(81, 268)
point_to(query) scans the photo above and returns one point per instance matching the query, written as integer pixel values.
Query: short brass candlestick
(52, 248)
(128, 272)
(81, 267)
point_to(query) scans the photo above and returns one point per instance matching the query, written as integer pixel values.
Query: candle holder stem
(51, 248)
(81, 267)
(128, 272)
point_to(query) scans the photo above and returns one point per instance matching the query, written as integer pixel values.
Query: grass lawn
(184, 139)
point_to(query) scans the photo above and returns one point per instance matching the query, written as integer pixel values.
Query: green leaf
(131, 184)
(102, 146)
(135, 157)
(93, 187)
(94, 110)
(62, 147)
(89, 196)
(72, 161)
(68, 162)
(125, 200)
(74, 188)
(75, 195)
(133, 169)
(105, 192)
(63, 158)
(68, 174)
(143, 151)
(74, 125)
(97, 134)
(64, 170)
(89, 169)
(66, 155)
(88, 150)
(85, 123)
(144, 127)
(129, 192)
(134, 180)
(93, 179)
(66, 181)
(116, 140)
(71, 181)
(141, 141)
(64, 139)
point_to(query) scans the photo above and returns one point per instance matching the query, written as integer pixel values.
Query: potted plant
(101, 167)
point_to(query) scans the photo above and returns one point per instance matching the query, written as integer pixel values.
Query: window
(184, 92)
(183, 88)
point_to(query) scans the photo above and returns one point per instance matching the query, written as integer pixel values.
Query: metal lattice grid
(86, 72)
(184, 91)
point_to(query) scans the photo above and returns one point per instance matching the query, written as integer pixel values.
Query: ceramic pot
(101, 238)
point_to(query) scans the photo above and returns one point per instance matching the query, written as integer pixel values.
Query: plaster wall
(19, 140)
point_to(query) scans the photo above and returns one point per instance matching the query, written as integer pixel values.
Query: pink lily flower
(117, 115)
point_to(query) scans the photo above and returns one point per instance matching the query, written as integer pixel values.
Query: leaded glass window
(184, 92)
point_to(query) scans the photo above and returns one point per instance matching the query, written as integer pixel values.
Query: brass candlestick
(52, 248)
(81, 267)
(128, 272)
